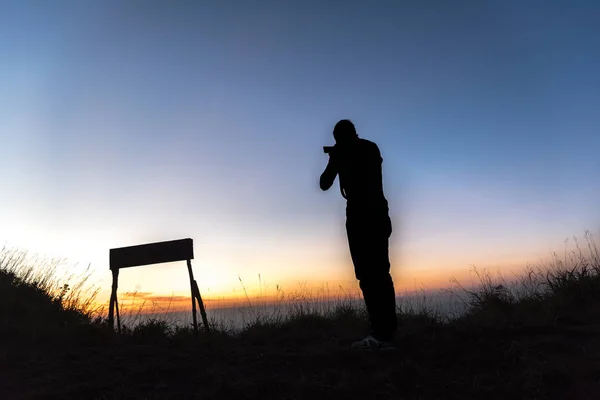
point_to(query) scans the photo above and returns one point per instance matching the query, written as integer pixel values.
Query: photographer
(358, 163)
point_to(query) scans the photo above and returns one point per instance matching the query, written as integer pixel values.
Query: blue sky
(129, 123)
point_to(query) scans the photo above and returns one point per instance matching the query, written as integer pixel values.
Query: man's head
(344, 132)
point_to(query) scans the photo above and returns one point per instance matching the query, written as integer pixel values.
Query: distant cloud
(136, 295)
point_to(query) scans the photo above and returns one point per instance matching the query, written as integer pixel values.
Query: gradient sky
(130, 122)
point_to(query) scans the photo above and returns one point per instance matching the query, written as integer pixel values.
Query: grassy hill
(540, 339)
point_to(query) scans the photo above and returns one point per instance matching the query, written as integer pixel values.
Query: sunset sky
(124, 123)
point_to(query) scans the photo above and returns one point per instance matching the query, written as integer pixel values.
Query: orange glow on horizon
(254, 295)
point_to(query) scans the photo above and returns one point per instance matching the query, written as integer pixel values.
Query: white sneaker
(370, 343)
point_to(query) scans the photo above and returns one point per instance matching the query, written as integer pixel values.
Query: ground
(311, 361)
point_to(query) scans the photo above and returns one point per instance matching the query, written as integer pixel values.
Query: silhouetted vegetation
(533, 337)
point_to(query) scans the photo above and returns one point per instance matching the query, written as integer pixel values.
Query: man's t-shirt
(360, 175)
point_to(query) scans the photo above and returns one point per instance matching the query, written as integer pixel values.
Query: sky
(125, 123)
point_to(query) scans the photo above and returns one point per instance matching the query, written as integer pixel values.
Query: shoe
(370, 343)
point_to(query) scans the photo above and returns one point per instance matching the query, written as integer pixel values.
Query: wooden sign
(154, 253)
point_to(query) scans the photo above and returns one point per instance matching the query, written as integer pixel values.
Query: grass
(535, 336)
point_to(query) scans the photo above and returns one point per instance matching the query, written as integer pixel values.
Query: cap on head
(344, 131)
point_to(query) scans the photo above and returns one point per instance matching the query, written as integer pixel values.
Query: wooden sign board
(152, 253)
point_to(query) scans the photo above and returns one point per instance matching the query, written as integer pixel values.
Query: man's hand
(328, 176)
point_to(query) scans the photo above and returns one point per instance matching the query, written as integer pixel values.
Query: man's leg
(368, 286)
(383, 300)
(378, 290)
(368, 242)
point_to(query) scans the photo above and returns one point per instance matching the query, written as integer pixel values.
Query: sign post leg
(189, 265)
(202, 309)
(113, 301)
(118, 315)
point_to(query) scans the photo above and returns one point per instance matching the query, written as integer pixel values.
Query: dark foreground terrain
(311, 360)
(544, 345)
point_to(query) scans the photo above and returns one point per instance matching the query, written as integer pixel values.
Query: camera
(328, 149)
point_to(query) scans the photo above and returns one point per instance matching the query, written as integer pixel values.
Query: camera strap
(342, 191)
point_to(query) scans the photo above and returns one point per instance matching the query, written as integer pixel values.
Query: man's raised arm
(328, 176)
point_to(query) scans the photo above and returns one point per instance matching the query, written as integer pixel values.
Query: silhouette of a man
(358, 163)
